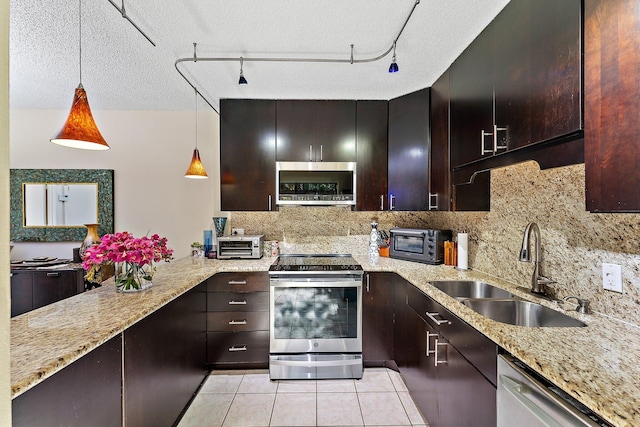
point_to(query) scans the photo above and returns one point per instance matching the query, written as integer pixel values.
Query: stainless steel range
(315, 317)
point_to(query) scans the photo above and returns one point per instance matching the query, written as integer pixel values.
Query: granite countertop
(598, 365)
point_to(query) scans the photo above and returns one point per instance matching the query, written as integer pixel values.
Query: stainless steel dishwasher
(525, 399)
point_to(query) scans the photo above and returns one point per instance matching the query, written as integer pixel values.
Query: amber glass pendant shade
(80, 130)
(196, 170)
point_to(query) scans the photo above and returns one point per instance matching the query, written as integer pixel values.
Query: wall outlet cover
(612, 277)
(237, 231)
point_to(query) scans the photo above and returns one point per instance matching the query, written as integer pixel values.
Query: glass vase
(130, 277)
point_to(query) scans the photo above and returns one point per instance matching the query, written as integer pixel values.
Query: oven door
(316, 315)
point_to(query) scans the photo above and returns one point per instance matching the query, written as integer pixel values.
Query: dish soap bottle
(373, 244)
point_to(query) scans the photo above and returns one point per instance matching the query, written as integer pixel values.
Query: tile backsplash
(575, 242)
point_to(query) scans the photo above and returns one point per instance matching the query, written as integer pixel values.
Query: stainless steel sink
(464, 289)
(521, 313)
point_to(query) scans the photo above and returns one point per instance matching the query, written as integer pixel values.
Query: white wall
(150, 151)
(5, 305)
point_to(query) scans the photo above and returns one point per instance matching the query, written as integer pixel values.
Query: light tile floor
(246, 399)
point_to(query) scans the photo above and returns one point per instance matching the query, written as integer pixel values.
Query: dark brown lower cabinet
(85, 393)
(449, 368)
(164, 361)
(238, 320)
(31, 289)
(377, 319)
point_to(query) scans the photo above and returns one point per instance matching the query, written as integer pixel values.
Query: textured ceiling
(122, 70)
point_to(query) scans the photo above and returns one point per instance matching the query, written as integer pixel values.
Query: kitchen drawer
(241, 347)
(237, 321)
(238, 301)
(473, 345)
(239, 282)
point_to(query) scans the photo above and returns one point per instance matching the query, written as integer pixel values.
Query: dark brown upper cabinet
(316, 131)
(537, 71)
(612, 110)
(371, 170)
(519, 82)
(440, 167)
(408, 158)
(247, 154)
(471, 91)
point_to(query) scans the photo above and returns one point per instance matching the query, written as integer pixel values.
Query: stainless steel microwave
(419, 245)
(315, 183)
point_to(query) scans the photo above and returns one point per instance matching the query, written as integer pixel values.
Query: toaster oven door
(235, 248)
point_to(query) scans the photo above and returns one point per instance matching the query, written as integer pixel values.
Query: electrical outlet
(237, 231)
(612, 277)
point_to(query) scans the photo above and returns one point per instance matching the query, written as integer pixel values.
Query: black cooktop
(308, 262)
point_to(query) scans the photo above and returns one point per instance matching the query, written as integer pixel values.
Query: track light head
(393, 68)
(242, 80)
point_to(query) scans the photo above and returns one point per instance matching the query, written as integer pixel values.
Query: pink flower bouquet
(135, 256)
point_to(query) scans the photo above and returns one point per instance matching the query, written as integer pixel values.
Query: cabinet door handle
(233, 302)
(238, 282)
(234, 348)
(238, 322)
(310, 153)
(483, 135)
(497, 146)
(428, 352)
(382, 202)
(270, 202)
(433, 205)
(320, 152)
(437, 362)
(436, 321)
(368, 282)
(392, 198)
(53, 274)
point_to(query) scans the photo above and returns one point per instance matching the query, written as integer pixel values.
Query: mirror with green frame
(51, 205)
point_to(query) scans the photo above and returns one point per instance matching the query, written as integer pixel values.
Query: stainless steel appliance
(315, 183)
(526, 399)
(315, 317)
(426, 246)
(240, 246)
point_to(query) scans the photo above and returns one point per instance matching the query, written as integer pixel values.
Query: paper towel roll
(463, 251)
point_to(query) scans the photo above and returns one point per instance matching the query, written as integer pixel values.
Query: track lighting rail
(350, 60)
(123, 12)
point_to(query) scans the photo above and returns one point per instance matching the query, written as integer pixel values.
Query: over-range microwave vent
(315, 183)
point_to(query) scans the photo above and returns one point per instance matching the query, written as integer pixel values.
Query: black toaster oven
(412, 244)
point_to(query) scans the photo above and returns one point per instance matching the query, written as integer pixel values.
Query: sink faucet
(538, 282)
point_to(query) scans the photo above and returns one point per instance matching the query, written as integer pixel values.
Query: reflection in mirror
(60, 205)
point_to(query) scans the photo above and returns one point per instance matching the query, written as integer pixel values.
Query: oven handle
(312, 363)
(299, 281)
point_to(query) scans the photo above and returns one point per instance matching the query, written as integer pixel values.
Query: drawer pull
(436, 321)
(234, 348)
(53, 274)
(237, 282)
(238, 322)
(232, 302)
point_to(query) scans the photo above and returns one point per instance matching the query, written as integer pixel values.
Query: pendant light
(80, 129)
(196, 169)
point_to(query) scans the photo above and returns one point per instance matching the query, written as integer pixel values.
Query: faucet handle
(583, 304)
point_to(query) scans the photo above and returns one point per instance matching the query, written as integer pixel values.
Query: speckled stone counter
(598, 365)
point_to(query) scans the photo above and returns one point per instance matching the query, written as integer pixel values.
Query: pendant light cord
(196, 91)
(80, 36)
